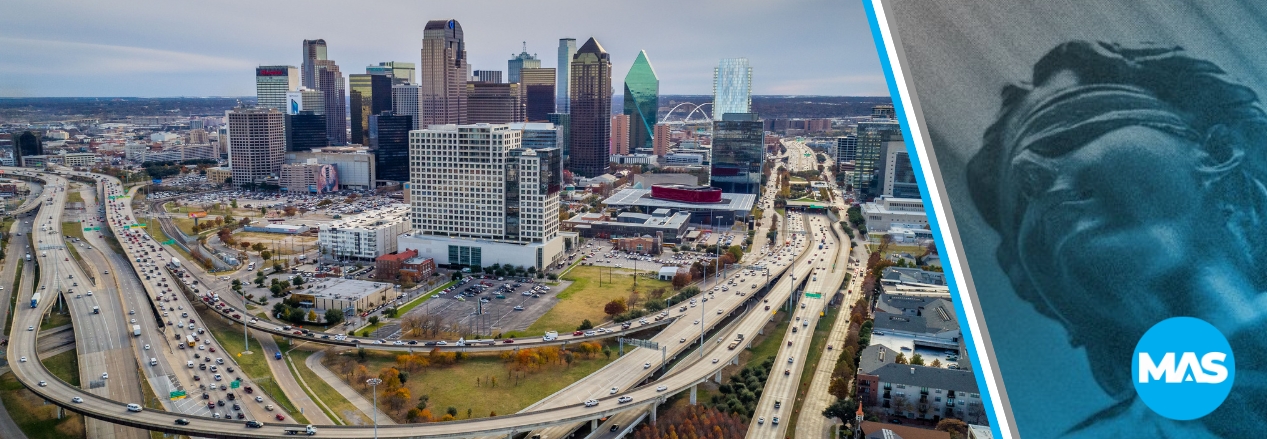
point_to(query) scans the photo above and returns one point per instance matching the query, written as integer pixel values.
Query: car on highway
(77, 400)
(761, 420)
(182, 421)
(661, 388)
(644, 365)
(613, 391)
(591, 402)
(30, 328)
(105, 375)
(624, 399)
(134, 408)
(147, 347)
(254, 424)
(280, 417)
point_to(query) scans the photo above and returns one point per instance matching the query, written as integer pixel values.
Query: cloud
(32, 57)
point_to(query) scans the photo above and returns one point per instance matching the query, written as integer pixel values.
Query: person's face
(1106, 223)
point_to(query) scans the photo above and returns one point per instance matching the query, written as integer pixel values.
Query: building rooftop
(930, 377)
(877, 430)
(642, 198)
(874, 357)
(344, 289)
(372, 218)
(937, 316)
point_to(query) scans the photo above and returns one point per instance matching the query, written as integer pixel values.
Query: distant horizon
(253, 97)
(155, 48)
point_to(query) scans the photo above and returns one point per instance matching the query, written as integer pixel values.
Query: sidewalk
(286, 380)
(314, 363)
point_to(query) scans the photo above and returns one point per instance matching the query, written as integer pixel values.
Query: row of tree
(694, 422)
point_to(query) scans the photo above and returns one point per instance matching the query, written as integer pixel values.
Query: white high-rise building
(479, 197)
(563, 98)
(732, 87)
(272, 83)
(365, 236)
(257, 144)
(405, 102)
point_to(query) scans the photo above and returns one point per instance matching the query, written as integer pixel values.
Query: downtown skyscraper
(370, 95)
(257, 146)
(591, 107)
(320, 73)
(537, 86)
(517, 63)
(642, 101)
(313, 51)
(563, 96)
(732, 87)
(272, 83)
(442, 74)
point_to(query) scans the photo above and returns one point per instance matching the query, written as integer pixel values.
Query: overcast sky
(198, 48)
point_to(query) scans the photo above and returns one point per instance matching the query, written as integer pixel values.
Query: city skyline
(183, 58)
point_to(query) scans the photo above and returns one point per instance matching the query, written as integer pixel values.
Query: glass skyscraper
(567, 49)
(738, 153)
(370, 94)
(389, 139)
(523, 60)
(591, 110)
(642, 101)
(732, 87)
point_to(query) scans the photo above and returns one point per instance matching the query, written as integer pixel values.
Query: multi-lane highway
(742, 286)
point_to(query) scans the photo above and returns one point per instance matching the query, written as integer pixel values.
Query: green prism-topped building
(642, 100)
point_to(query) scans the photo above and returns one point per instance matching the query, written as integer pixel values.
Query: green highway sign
(177, 394)
(169, 242)
(814, 295)
(235, 384)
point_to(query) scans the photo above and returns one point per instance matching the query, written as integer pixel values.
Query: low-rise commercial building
(347, 295)
(886, 212)
(365, 236)
(403, 265)
(218, 175)
(663, 223)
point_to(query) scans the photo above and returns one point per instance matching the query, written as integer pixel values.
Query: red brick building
(403, 263)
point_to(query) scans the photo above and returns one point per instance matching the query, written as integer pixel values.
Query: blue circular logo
(1183, 368)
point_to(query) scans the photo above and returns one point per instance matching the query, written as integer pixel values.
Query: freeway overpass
(643, 397)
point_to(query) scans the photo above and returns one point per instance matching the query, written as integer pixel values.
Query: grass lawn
(454, 386)
(318, 390)
(72, 229)
(768, 347)
(584, 299)
(54, 320)
(74, 197)
(185, 225)
(914, 250)
(65, 366)
(817, 346)
(13, 298)
(37, 419)
(230, 340)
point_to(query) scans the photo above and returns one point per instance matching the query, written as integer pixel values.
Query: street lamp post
(374, 382)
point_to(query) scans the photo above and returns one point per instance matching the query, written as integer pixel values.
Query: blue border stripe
(920, 177)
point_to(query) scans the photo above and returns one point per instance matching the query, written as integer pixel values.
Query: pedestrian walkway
(314, 363)
(286, 380)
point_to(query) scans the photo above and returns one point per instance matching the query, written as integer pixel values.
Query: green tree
(266, 254)
(585, 324)
(373, 320)
(333, 317)
(917, 360)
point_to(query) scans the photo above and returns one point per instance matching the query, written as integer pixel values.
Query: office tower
(898, 176)
(389, 140)
(590, 110)
(198, 136)
(846, 149)
(642, 101)
(732, 87)
(368, 94)
(538, 90)
(660, 139)
(305, 130)
(442, 74)
(272, 83)
(868, 160)
(305, 99)
(519, 62)
(405, 102)
(564, 122)
(490, 102)
(883, 112)
(486, 76)
(620, 134)
(334, 91)
(479, 197)
(401, 72)
(25, 145)
(563, 99)
(313, 51)
(257, 145)
(222, 140)
(738, 153)
(538, 135)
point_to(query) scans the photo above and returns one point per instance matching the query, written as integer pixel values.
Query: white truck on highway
(136, 330)
(175, 263)
(550, 336)
(308, 430)
(28, 256)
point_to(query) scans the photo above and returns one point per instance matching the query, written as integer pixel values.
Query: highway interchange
(632, 375)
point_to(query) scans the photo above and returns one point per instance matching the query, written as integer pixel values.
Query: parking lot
(508, 304)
